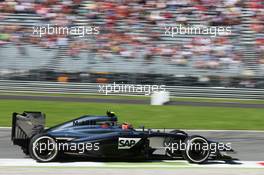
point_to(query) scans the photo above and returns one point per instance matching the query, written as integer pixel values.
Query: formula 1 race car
(103, 138)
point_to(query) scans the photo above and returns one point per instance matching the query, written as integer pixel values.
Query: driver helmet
(126, 126)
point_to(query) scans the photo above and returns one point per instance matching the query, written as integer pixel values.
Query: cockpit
(108, 121)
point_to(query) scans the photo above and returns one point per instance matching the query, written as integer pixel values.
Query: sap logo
(127, 143)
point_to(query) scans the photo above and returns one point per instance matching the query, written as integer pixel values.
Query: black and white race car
(101, 137)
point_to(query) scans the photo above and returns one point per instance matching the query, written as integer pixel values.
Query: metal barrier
(94, 88)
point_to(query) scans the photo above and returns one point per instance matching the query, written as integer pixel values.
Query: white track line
(165, 164)
(33, 163)
(5, 127)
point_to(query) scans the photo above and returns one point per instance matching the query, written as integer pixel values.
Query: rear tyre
(197, 149)
(43, 148)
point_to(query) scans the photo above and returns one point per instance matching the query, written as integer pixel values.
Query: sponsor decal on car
(127, 143)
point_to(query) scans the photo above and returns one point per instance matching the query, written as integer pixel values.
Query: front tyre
(197, 149)
(43, 148)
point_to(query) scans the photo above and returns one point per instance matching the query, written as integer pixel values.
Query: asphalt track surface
(129, 101)
(134, 171)
(249, 146)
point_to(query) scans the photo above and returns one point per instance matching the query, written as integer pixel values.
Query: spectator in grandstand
(131, 29)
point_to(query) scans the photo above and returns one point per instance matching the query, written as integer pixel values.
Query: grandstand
(132, 37)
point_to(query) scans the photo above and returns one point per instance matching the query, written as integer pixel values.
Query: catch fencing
(94, 89)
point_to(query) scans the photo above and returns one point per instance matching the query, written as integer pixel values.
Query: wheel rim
(195, 150)
(45, 149)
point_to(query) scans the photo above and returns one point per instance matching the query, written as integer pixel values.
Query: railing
(95, 88)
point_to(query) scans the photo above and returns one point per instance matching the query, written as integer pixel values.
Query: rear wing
(25, 126)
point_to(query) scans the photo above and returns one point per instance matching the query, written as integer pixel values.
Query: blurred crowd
(134, 28)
